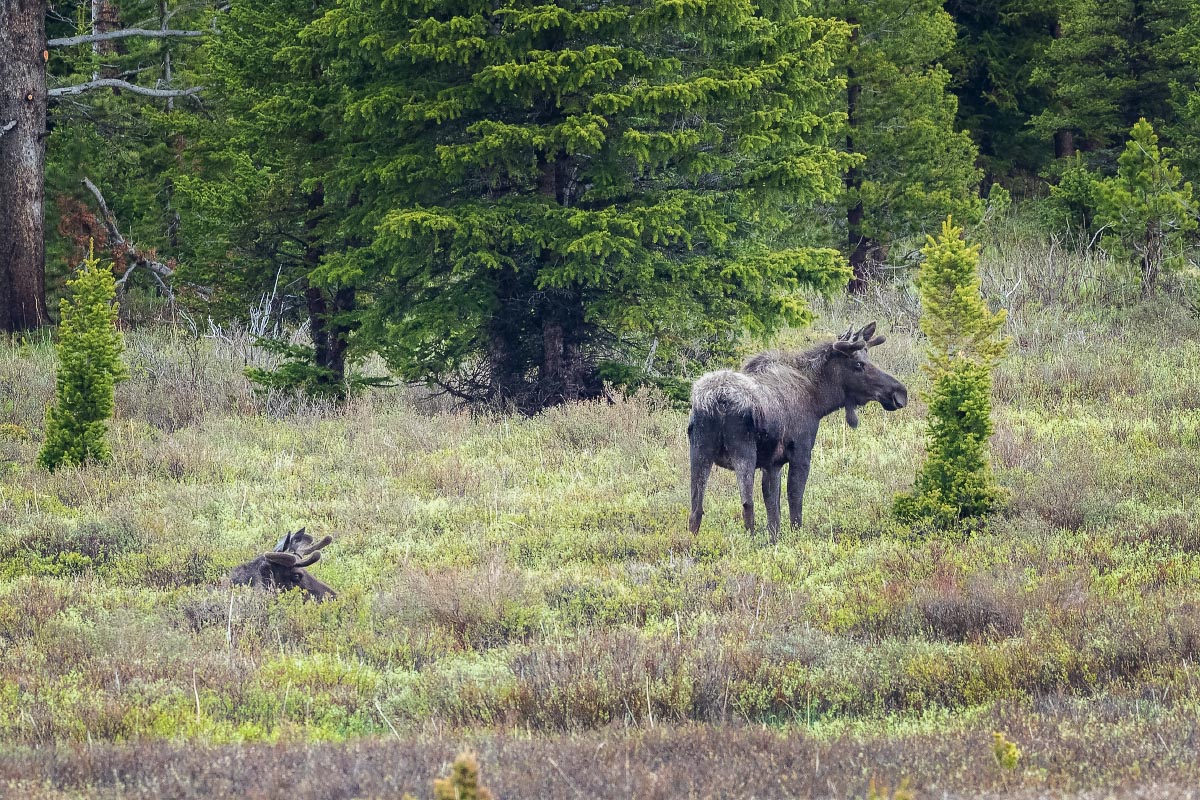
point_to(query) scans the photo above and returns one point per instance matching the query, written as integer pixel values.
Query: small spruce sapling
(89, 352)
(1148, 207)
(1005, 751)
(956, 482)
(463, 781)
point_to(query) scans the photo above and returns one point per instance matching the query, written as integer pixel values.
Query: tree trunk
(1153, 247)
(563, 375)
(859, 245)
(1064, 140)
(330, 333)
(326, 307)
(506, 361)
(1064, 144)
(22, 164)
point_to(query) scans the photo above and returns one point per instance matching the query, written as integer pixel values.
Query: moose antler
(292, 560)
(285, 544)
(867, 334)
(300, 543)
(852, 341)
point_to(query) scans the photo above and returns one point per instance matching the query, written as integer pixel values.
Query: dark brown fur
(284, 567)
(767, 414)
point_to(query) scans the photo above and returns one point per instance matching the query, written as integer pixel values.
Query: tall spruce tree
(1112, 63)
(259, 195)
(955, 483)
(538, 188)
(999, 42)
(918, 167)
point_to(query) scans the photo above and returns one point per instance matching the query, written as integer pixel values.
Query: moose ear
(867, 332)
(848, 335)
(282, 559)
(301, 541)
(283, 544)
(846, 348)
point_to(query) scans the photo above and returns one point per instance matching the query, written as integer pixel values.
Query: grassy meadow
(526, 587)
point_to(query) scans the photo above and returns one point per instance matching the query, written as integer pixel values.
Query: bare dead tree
(134, 257)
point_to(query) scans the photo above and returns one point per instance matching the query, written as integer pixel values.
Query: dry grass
(1067, 750)
(528, 586)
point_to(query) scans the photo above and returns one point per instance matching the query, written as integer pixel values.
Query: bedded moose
(284, 567)
(766, 415)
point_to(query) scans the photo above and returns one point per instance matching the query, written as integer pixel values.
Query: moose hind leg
(770, 490)
(745, 479)
(701, 468)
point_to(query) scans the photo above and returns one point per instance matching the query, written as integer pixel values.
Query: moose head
(862, 381)
(284, 567)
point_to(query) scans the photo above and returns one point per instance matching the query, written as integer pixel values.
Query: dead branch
(80, 88)
(69, 41)
(158, 270)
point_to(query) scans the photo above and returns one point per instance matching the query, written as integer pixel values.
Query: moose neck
(827, 397)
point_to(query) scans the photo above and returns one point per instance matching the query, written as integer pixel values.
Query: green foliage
(300, 372)
(632, 377)
(1148, 207)
(999, 202)
(89, 352)
(998, 44)
(257, 203)
(956, 482)
(1187, 92)
(902, 111)
(537, 189)
(1113, 62)
(133, 148)
(1005, 751)
(1072, 201)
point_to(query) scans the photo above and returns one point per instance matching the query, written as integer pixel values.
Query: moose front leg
(797, 478)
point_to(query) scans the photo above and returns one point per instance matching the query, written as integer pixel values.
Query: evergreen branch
(69, 41)
(80, 88)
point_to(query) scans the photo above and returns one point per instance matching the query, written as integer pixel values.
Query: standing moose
(766, 415)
